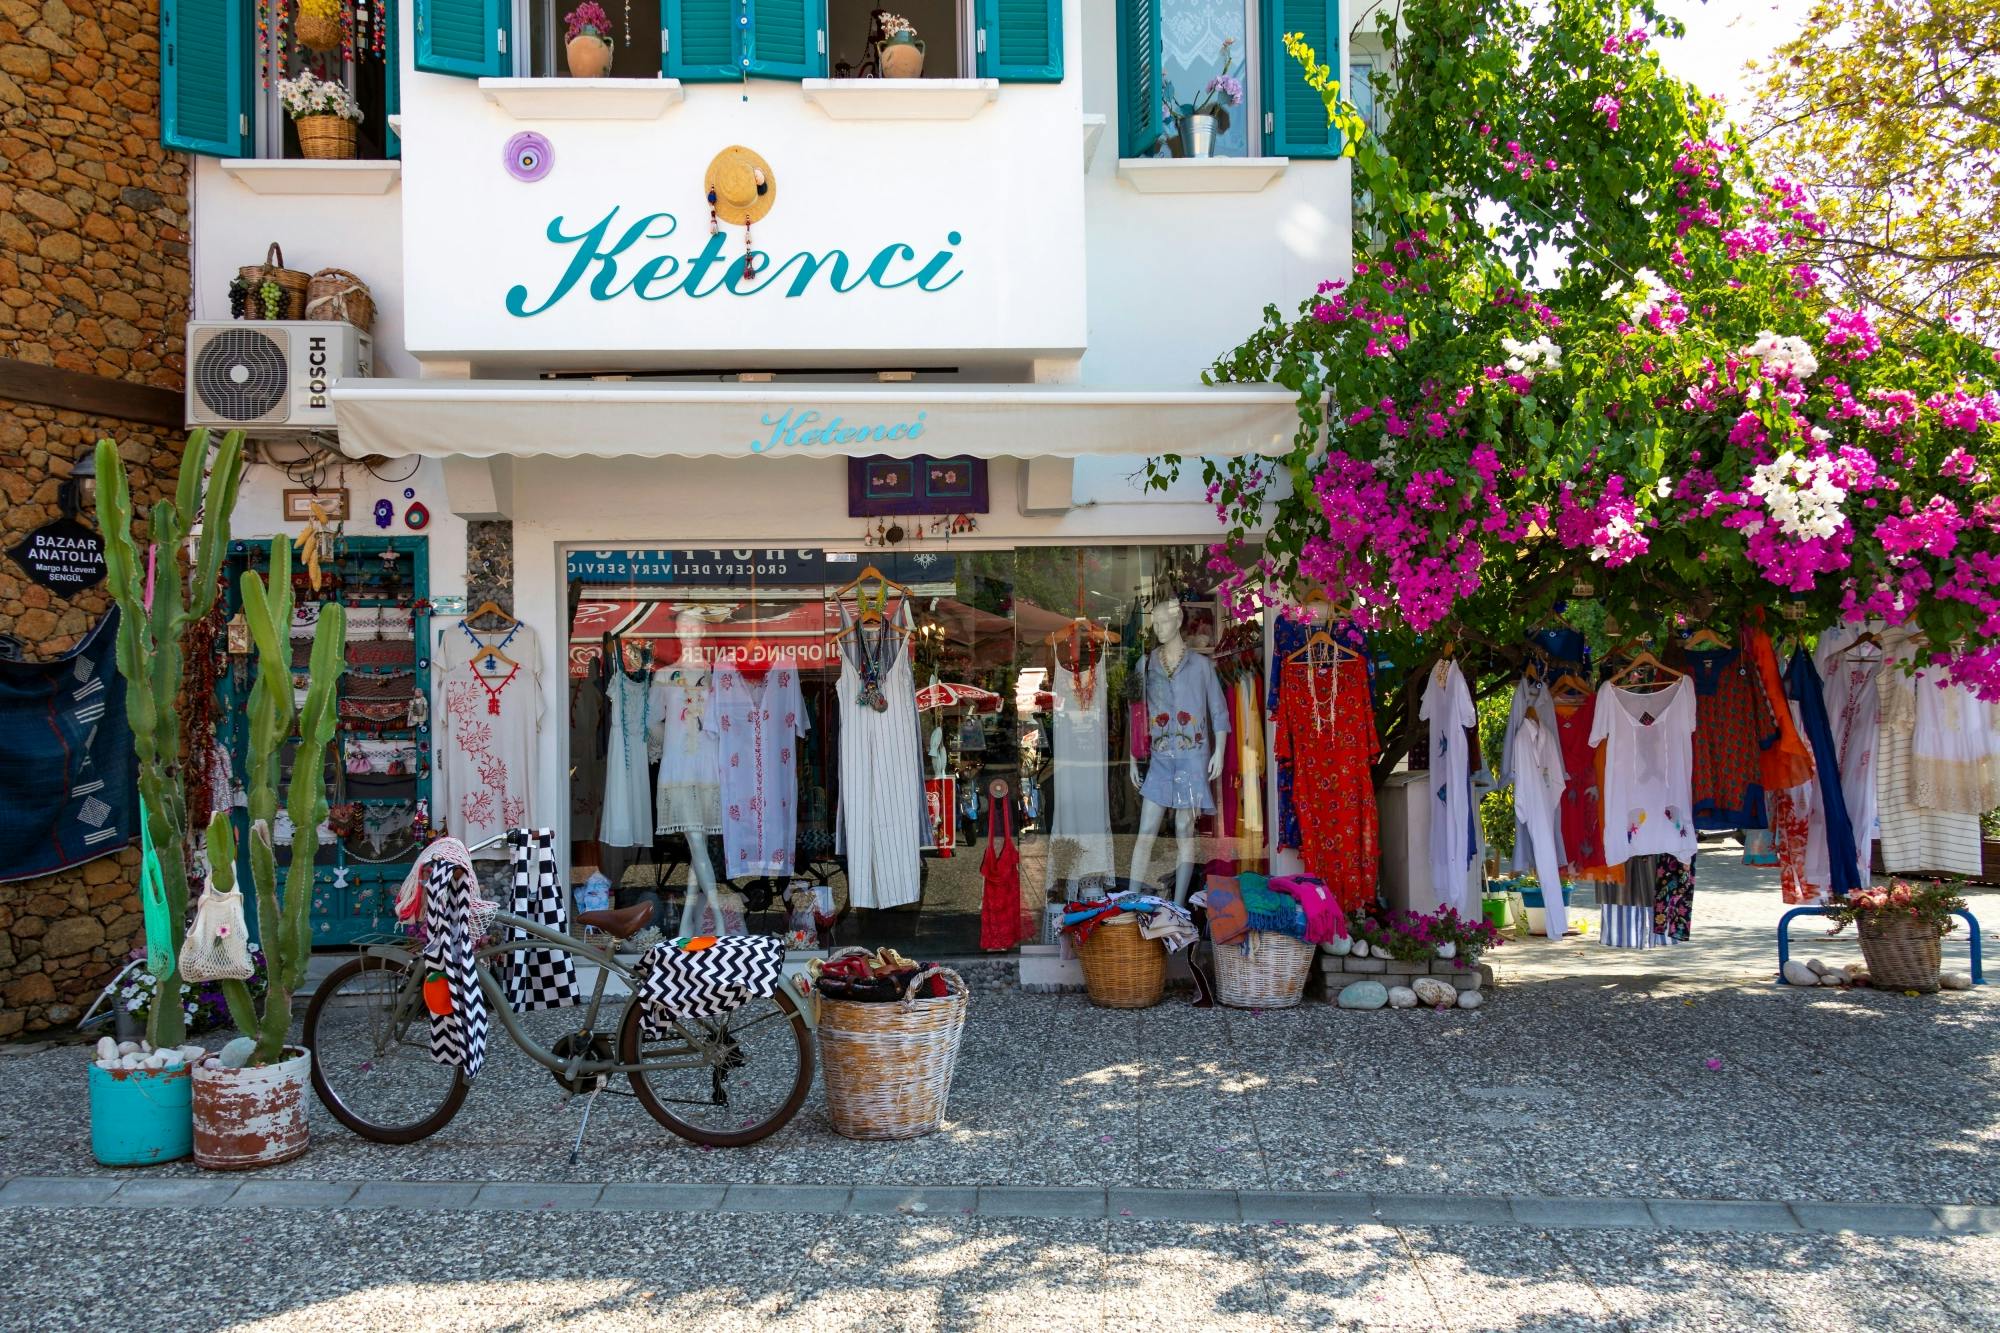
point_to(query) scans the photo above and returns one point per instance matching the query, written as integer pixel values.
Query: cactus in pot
(284, 928)
(149, 657)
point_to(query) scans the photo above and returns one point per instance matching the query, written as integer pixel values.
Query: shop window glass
(1010, 714)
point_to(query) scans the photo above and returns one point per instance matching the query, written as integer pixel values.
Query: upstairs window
(708, 41)
(221, 63)
(1182, 58)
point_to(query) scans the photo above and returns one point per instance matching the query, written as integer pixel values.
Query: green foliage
(149, 651)
(284, 926)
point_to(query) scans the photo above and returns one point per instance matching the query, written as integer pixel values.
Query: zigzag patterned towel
(459, 1037)
(540, 978)
(705, 977)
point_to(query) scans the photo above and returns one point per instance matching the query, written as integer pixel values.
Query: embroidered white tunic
(758, 725)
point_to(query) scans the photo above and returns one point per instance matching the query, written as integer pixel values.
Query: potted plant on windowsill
(1196, 125)
(249, 1102)
(324, 113)
(589, 47)
(900, 52)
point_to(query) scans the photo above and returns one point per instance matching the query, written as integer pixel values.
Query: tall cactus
(283, 925)
(149, 654)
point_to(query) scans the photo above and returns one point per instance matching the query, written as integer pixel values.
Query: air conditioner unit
(270, 377)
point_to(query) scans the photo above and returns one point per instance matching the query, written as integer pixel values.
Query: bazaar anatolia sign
(64, 556)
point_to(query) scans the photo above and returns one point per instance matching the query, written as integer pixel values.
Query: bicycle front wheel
(369, 1034)
(739, 1079)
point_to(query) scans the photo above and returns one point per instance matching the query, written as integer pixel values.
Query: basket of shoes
(889, 1034)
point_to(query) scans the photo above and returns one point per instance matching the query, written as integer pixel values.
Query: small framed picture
(299, 503)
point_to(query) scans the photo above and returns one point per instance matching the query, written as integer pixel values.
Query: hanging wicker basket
(1902, 953)
(336, 294)
(325, 137)
(1270, 975)
(1122, 969)
(319, 32)
(291, 284)
(887, 1066)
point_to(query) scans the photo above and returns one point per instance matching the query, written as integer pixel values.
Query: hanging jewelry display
(740, 190)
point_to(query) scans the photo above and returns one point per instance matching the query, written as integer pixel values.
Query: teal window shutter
(1140, 124)
(467, 38)
(1021, 41)
(205, 76)
(1297, 124)
(392, 73)
(787, 39)
(701, 40)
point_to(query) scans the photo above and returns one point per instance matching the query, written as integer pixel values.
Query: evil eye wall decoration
(529, 156)
(416, 518)
(385, 513)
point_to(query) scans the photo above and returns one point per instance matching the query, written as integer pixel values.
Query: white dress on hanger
(1448, 708)
(884, 816)
(759, 724)
(1534, 758)
(684, 733)
(1916, 835)
(1530, 697)
(483, 781)
(627, 820)
(1080, 820)
(1854, 712)
(1648, 738)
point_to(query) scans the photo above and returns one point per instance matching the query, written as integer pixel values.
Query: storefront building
(690, 366)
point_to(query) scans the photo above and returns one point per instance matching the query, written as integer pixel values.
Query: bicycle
(729, 1081)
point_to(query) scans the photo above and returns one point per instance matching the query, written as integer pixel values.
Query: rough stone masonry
(93, 279)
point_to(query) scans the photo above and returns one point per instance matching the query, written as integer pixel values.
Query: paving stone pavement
(1644, 1141)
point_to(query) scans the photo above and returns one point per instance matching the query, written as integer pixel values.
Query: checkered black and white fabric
(539, 978)
(705, 977)
(459, 1037)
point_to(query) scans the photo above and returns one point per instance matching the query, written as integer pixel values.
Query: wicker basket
(887, 1066)
(336, 294)
(1272, 975)
(1902, 954)
(318, 32)
(291, 284)
(325, 136)
(1122, 969)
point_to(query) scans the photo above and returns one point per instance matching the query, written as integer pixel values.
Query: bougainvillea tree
(1577, 360)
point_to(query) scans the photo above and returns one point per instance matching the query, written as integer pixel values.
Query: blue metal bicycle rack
(1785, 942)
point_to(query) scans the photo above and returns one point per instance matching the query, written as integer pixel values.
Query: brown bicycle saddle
(619, 922)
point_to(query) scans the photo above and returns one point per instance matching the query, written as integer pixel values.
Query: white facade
(1070, 268)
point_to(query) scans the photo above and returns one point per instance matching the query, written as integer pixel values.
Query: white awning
(577, 419)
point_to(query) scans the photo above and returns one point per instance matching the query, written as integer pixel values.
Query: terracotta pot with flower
(590, 43)
(1901, 929)
(324, 113)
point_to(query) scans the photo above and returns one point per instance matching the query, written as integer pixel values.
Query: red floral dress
(1326, 729)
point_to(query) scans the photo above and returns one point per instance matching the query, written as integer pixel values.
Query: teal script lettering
(802, 429)
(610, 261)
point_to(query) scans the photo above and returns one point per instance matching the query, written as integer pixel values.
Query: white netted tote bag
(217, 947)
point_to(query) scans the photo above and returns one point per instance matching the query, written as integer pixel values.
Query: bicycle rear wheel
(369, 1034)
(746, 1074)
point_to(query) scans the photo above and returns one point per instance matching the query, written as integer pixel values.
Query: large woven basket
(1271, 975)
(1122, 969)
(887, 1066)
(325, 137)
(1902, 954)
(291, 285)
(336, 294)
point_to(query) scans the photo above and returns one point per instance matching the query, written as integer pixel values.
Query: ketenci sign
(612, 263)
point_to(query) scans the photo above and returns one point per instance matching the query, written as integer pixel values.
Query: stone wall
(93, 279)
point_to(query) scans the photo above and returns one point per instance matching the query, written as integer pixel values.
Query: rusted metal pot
(252, 1117)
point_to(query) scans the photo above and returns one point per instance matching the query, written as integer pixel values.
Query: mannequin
(1175, 746)
(689, 796)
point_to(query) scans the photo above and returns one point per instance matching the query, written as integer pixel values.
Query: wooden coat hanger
(490, 655)
(1644, 660)
(488, 608)
(1321, 639)
(1705, 638)
(1570, 688)
(1867, 636)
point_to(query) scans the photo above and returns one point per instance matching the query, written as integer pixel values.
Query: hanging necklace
(492, 690)
(870, 661)
(1322, 715)
(1084, 680)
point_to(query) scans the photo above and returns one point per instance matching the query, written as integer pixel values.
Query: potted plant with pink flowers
(590, 42)
(1196, 125)
(1901, 929)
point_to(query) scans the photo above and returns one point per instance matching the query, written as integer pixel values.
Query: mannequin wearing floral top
(1187, 720)
(688, 796)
